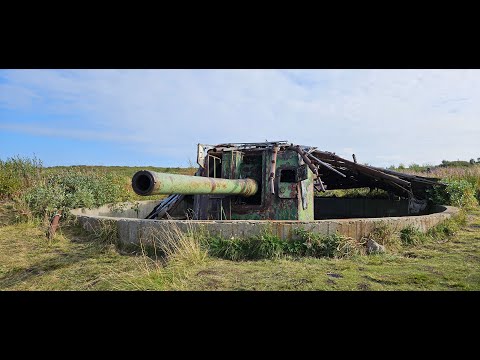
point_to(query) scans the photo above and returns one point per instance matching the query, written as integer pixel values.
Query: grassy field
(73, 261)
(30, 194)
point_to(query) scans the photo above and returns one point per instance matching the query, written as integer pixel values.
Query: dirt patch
(60, 253)
(213, 284)
(78, 240)
(363, 287)
(92, 283)
(474, 258)
(381, 281)
(300, 282)
(331, 282)
(207, 272)
(34, 270)
(433, 270)
(335, 275)
(413, 255)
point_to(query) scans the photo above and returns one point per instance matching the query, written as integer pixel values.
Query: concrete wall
(130, 230)
(135, 210)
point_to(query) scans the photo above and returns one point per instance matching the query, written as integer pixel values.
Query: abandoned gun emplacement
(278, 181)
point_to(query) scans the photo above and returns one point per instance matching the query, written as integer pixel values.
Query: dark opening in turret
(287, 175)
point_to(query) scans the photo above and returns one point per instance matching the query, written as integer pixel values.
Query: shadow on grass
(40, 268)
(78, 249)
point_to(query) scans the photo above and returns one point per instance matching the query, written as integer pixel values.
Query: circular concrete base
(127, 221)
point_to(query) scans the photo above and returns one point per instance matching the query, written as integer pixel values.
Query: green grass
(122, 175)
(73, 261)
(446, 258)
(29, 262)
(354, 193)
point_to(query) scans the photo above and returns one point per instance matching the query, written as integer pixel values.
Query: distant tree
(414, 166)
(472, 161)
(444, 163)
(401, 167)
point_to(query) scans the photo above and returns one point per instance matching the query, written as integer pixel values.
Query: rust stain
(213, 184)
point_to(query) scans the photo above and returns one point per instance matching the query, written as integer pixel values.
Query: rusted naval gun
(209, 206)
(270, 181)
(147, 182)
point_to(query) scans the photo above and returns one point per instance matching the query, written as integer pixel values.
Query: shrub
(384, 235)
(17, 174)
(460, 193)
(231, 249)
(45, 200)
(411, 236)
(446, 229)
(71, 189)
(354, 193)
(318, 246)
(267, 246)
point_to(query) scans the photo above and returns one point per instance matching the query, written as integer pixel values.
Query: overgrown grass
(17, 174)
(458, 192)
(175, 245)
(385, 235)
(354, 193)
(463, 188)
(269, 246)
(441, 232)
(36, 192)
(446, 257)
(449, 260)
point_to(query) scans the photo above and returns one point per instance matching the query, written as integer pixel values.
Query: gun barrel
(147, 182)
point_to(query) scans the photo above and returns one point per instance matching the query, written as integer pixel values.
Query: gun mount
(271, 181)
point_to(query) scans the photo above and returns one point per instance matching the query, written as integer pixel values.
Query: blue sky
(156, 117)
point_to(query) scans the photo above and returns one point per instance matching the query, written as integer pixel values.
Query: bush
(354, 193)
(316, 245)
(18, 174)
(384, 235)
(71, 189)
(460, 193)
(267, 246)
(411, 236)
(231, 249)
(446, 229)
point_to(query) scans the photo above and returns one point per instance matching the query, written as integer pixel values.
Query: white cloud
(385, 115)
(70, 133)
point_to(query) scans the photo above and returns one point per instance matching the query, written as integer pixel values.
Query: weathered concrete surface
(131, 230)
(137, 209)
